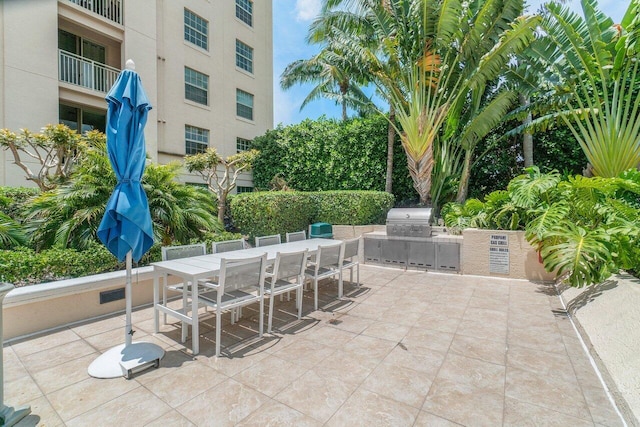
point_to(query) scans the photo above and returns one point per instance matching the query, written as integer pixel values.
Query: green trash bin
(320, 230)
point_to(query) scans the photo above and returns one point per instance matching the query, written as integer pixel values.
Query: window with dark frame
(196, 86)
(196, 140)
(244, 56)
(196, 29)
(244, 104)
(242, 144)
(240, 189)
(244, 11)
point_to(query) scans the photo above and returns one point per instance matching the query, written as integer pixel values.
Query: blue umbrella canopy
(126, 225)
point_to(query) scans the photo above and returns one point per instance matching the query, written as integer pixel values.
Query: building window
(241, 189)
(196, 140)
(82, 120)
(244, 56)
(244, 11)
(242, 144)
(196, 29)
(244, 104)
(196, 86)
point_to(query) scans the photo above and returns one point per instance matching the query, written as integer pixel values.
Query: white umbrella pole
(128, 330)
(8, 415)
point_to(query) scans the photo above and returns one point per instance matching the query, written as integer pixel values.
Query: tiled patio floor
(405, 349)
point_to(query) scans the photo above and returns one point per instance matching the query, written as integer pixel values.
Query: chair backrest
(330, 255)
(296, 236)
(227, 245)
(289, 264)
(185, 251)
(351, 248)
(242, 273)
(268, 240)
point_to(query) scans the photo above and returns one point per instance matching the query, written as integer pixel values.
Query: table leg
(195, 330)
(156, 317)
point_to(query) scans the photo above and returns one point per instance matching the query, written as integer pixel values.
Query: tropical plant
(55, 151)
(584, 228)
(586, 73)
(206, 165)
(68, 216)
(11, 233)
(431, 58)
(333, 74)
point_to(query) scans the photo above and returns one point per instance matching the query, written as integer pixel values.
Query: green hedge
(24, 266)
(326, 154)
(13, 199)
(265, 213)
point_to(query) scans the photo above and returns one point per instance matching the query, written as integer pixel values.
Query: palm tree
(333, 76)
(69, 215)
(589, 68)
(431, 58)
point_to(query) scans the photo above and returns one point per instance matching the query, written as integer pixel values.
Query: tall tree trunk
(391, 137)
(344, 111)
(222, 204)
(420, 171)
(527, 137)
(463, 187)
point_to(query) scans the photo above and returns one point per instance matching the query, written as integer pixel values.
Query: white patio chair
(227, 245)
(296, 236)
(351, 259)
(177, 252)
(327, 264)
(268, 240)
(287, 275)
(241, 282)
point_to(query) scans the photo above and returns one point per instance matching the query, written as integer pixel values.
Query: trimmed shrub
(271, 212)
(24, 266)
(265, 213)
(13, 199)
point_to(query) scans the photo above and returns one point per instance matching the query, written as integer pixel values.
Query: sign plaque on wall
(499, 254)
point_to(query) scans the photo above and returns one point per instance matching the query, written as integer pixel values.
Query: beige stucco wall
(523, 259)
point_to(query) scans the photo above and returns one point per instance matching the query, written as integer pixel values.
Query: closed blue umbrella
(126, 228)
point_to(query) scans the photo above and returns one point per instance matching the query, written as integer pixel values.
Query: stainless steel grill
(410, 222)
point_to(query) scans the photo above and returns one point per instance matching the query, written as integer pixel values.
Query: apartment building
(206, 65)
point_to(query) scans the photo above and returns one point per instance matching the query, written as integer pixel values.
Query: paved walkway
(405, 349)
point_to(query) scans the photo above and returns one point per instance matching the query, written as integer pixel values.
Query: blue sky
(291, 19)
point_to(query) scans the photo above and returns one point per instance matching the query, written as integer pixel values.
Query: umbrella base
(123, 360)
(10, 416)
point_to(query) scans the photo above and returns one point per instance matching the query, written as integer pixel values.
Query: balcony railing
(110, 9)
(80, 71)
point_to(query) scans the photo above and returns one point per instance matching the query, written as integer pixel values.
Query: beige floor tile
(438, 322)
(21, 391)
(398, 383)
(226, 404)
(13, 367)
(520, 414)
(386, 330)
(172, 418)
(270, 375)
(367, 311)
(305, 353)
(316, 395)
(404, 316)
(42, 414)
(88, 394)
(486, 330)
(546, 391)
(555, 365)
(275, 414)
(369, 349)
(332, 337)
(172, 360)
(426, 419)
(602, 411)
(345, 367)
(64, 374)
(349, 323)
(184, 383)
(135, 408)
(44, 342)
(37, 362)
(89, 329)
(424, 360)
(103, 341)
(462, 386)
(478, 348)
(419, 337)
(369, 409)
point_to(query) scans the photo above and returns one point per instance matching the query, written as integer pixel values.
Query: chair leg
(299, 302)
(271, 302)
(340, 284)
(261, 315)
(315, 293)
(358, 275)
(218, 328)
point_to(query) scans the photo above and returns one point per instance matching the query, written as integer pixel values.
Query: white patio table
(193, 269)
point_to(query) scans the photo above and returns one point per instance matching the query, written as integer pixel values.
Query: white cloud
(306, 10)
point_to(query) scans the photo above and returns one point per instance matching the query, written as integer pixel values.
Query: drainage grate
(112, 295)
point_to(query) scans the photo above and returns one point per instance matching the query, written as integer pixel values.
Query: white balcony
(110, 9)
(80, 71)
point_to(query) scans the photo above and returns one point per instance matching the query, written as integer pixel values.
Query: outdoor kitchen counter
(436, 237)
